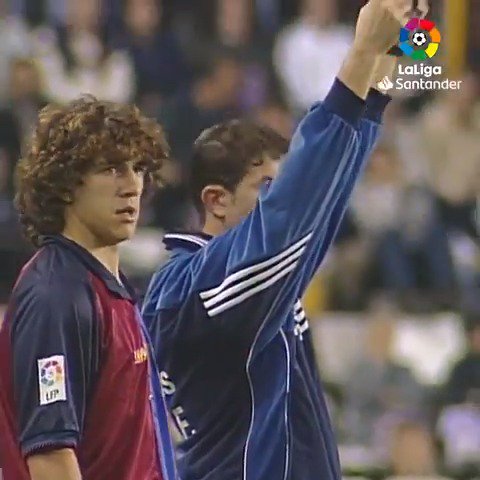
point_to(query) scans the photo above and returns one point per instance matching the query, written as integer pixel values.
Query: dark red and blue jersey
(75, 372)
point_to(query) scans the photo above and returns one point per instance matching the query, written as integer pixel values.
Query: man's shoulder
(170, 284)
(48, 293)
(51, 274)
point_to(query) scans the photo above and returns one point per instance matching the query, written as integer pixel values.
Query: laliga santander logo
(419, 39)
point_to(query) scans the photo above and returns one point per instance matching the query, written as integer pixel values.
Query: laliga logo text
(424, 78)
(419, 40)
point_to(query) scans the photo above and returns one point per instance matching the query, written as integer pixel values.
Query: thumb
(401, 10)
(422, 8)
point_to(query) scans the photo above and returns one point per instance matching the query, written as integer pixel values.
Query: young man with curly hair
(77, 396)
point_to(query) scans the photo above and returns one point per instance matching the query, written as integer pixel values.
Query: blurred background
(395, 309)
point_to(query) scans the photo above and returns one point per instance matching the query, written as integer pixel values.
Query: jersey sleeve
(370, 127)
(55, 356)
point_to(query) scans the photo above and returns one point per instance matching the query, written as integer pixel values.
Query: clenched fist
(379, 23)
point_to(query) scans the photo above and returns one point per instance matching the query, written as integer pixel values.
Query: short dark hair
(67, 142)
(223, 155)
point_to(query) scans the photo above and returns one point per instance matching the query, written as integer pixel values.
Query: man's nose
(131, 183)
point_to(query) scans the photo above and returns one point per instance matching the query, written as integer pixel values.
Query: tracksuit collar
(186, 240)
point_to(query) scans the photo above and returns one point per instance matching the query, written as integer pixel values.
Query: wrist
(386, 67)
(357, 70)
(384, 74)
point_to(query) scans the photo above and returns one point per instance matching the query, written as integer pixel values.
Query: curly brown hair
(67, 143)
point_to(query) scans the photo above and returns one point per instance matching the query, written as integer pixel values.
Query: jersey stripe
(262, 286)
(287, 397)
(252, 399)
(245, 284)
(205, 295)
(252, 412)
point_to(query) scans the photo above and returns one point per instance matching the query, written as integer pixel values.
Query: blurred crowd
(411, 233)
(391, 420)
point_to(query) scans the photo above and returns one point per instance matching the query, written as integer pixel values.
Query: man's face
(24, 81)
(83, 15)
(106, 206)
(240, 203)
(226, 81)
(143, 16)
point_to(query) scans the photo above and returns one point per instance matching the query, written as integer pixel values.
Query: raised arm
(258, 266)
(370, 126)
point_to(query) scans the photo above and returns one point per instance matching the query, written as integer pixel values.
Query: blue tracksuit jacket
(235, 354)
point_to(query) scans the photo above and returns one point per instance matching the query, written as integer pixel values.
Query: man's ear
(216, 199)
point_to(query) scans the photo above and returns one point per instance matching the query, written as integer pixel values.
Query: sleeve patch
(51, 379)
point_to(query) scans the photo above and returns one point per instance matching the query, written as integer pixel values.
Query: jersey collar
(125, 291)
(192, 241)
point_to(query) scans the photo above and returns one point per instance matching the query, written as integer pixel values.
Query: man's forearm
(358, 70)
(56, 465)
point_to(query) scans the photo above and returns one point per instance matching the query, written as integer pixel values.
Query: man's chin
(126, 232)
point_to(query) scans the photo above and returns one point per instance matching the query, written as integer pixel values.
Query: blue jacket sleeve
(55, 356)
(370, 127)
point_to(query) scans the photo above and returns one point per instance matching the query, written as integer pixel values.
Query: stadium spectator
(15, 42)
(236, 28)
(12, 248)
(463, 384)
(401, 226)
(160, 67)
(451, 124)
(18, 115)
(401, 130)
(25, 100)
(16, 121)
(459, 429)
(75, 60)
(211, 99)
(378, 385)
(234, 22)
(413, 453)
(314, 45)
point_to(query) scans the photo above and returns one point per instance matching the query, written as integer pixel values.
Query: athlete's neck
(107, 255)
(213, 227)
